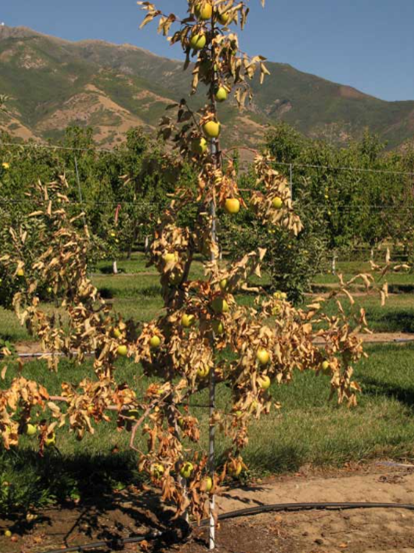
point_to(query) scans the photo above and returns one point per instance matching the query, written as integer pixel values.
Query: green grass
(135, 293)
(308, 429)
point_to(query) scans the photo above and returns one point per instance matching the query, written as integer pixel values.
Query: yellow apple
(219, 305)
(5, 165)
(117, 332)
(326, 367)
(198, 41)
(204, 12)
(122, 350)
(8, 534)
(218, 327)
(50, 439)
(155, 342)
(264, 382)
(277, 202)
(169, 257)
(263, 356)
(187, 320)
(187, 470)
(221, 94)
(31, 430)
(208, 484)
(224, 17)
(212, 129)
(157, 470)
(235, 468)
(232, 206)
(20, 272)
(203, 372)
(223, 284)
(199, 146)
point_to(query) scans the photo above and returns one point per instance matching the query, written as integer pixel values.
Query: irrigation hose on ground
(118, 544)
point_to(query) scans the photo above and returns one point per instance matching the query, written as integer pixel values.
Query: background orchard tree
(203, 337)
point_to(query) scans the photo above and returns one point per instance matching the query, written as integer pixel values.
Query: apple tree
(203, 337)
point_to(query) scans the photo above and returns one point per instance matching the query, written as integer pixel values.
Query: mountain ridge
(55, 82)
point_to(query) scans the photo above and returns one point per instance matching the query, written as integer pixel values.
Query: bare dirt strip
(355, 531)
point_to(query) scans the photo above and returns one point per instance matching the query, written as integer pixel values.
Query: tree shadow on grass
(374, 387)
(395, 321)
(95, 498)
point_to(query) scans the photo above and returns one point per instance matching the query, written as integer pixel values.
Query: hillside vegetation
(55, 83)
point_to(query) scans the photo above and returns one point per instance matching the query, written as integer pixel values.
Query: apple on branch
(212, 129)
(232, 206)
(204, 11)
(198, 41)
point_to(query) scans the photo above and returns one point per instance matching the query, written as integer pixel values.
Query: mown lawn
(308, 428)
(135, 293)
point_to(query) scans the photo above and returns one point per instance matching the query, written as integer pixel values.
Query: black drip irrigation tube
(118, 544)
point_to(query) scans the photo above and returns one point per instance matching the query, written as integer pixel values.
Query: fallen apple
(20, 272)
(117, 332)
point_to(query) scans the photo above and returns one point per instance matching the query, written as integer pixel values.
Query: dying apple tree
(204, 336)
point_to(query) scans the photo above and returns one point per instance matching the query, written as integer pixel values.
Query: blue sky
(368, 44)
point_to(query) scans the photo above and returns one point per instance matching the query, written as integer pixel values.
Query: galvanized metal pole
(212, 396)
(291, 181)
(79, 188)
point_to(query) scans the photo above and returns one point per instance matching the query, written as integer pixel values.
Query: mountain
(54, 83)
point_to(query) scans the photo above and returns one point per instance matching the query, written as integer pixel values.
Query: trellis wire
(284, 163)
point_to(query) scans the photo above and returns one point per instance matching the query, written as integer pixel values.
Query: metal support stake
(291, 181)
(212, 402)
(79, 188)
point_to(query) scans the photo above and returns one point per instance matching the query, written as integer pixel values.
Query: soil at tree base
(356, 531)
